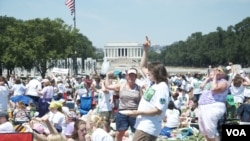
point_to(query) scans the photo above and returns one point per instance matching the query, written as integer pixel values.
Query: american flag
(71, 5)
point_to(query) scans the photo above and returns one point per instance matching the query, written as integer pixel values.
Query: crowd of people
(123, 105)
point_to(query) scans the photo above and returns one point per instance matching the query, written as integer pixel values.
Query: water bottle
(105, 66)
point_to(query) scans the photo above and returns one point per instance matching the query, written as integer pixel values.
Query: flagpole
(74, 47)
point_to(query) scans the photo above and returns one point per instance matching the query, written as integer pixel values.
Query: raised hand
(147, 43)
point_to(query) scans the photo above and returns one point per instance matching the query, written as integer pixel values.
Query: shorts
(123, 122)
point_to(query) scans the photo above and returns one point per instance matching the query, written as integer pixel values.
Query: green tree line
(40, 42)
(214, 48)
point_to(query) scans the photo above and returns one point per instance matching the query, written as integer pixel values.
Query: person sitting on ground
(95, 124)
(80, 131)
(231, 107)
(20, 114)
(171, 119)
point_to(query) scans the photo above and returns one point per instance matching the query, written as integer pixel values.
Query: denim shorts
(123, 122)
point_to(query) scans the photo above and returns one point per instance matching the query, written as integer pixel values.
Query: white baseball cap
(132, 71)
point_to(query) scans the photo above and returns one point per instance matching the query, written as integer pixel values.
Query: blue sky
(164, 21)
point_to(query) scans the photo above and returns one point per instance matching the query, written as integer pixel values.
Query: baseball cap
(132, 71)
(230, 100)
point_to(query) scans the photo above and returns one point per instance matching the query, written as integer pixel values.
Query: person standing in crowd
(213, 98)
(154, 102)
(46, 95)
(104, 104)
(32, 87)
(5, 125)
(129, 98)
(18, 88)
(4, 95)
(195, 84)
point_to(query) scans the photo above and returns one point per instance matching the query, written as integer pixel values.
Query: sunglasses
(220, 70)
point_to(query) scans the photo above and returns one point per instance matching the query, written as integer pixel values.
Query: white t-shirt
(61, 88)
(101, 135)
(81, 91)
(237, 93)
(247, 91)
(19, 89)
(32, 87)
(4, 93)
(172, 118)
(155, 96)
(195, 84)
(104, 104)
(183, 99)
(6, 127)
(58, 118)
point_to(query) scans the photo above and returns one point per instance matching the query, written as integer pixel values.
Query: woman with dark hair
(18, 88)
(154, 102)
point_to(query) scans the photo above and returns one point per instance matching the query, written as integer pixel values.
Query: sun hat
(230, 100)
(55, 104)
(38, 127)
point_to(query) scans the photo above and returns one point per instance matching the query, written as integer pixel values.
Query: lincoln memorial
(123, 54)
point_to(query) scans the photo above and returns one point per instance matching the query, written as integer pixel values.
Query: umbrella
(25, 99)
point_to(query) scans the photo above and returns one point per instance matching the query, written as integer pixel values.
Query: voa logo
(236, 132)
